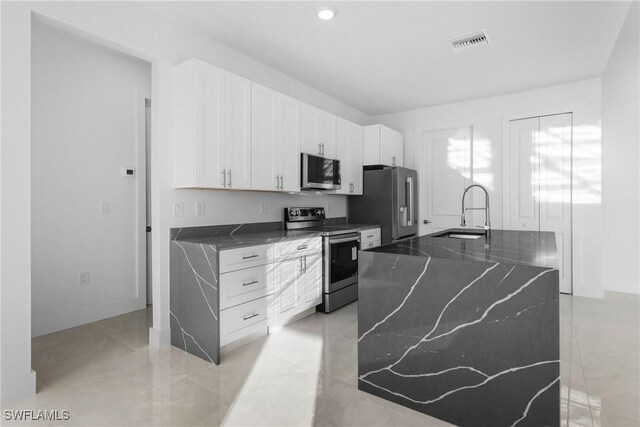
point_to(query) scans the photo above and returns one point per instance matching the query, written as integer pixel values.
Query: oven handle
(355, 238)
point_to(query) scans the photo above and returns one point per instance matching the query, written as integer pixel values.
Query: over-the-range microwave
(319, 173)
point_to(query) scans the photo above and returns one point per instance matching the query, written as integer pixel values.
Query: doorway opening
(90, 196)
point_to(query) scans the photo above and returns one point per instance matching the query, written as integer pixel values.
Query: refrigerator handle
(409, 200)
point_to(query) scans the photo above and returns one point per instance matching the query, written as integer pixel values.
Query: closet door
(538, 183)
(555, 188)
(524, 175)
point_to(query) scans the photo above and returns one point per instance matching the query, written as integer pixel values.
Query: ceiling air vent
(475, 39)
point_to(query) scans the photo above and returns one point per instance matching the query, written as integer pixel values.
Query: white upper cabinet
(212, 127)
(383, 146)
(350, 153)
(275, 141)
(318, 132)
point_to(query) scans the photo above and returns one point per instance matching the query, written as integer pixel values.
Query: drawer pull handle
(251, 316)
(370, 235)
(250, 256)
(253, 282)
(300, 248)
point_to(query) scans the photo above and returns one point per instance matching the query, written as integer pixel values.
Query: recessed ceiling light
(326, 13)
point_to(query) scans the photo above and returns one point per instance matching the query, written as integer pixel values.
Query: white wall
(131, 28)
(488, 117)
(87, 123)
(620, 160)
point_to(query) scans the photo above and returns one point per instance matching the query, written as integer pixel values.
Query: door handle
(251, 316)
(426, 221)
(282, 182)
(305, 263)
(224, 177)
(229, 173)
(393, 161)
(319, 148)
(277, 182)
(300, 248)
(409, 196)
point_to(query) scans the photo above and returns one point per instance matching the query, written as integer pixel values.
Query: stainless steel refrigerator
(390, 198)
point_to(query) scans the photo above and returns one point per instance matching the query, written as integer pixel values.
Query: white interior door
(445, 171)
(523, 171)
(538, 182)
(555, 188)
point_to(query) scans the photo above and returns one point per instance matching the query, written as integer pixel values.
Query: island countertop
(466, 331)
(534, 248)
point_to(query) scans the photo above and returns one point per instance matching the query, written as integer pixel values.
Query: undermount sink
(470, 235)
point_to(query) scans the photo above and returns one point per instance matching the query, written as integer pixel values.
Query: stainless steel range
(340, 254)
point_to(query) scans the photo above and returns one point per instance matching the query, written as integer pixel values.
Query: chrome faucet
(487, 215)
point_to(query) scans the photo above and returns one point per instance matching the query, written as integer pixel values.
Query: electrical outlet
(263, 208)
(200, 209)
(177, 209)
(84, 278)
(105, 208)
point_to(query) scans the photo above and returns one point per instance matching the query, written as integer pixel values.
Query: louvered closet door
(539, 182)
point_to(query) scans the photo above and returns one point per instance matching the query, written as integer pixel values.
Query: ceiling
(383, 57)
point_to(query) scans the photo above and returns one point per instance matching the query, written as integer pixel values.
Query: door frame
(506, 183)
(419, 158)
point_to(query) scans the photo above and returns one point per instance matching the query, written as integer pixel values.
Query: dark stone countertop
(251, 239)
(504, 246)
(242, 239)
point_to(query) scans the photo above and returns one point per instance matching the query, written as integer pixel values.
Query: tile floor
(105, 374)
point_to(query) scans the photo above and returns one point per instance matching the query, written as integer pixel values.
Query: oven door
(341, 262)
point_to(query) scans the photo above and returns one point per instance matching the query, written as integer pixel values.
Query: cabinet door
(236, 130)
(391, 147)
(264, 139)
(309, 119)
(349, 151)
(327, 134)
(310, 288)
(371, 146)
(209, 153)
(286, 299)
(288, 143)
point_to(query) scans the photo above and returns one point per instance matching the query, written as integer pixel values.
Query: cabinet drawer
(369, 245)
(242, 320)
(240, 286)
(251, 256)
(300, 247)
(368, 236)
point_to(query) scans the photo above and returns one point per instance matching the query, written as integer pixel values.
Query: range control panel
(303, 214)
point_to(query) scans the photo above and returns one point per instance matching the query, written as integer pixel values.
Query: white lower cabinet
(256, 297)
(370, 238)
(243, 320)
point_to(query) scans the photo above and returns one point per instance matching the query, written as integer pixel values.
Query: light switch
(177, 209)
(263, 208)
(200, 209)
(105, 208)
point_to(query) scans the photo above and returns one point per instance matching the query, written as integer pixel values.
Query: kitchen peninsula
(463, 327)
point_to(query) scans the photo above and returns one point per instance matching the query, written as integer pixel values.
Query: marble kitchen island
(465, 330)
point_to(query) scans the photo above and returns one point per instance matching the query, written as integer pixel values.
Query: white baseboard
(16, 388)
(588, 291)
(159, 339)
(58, 322)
